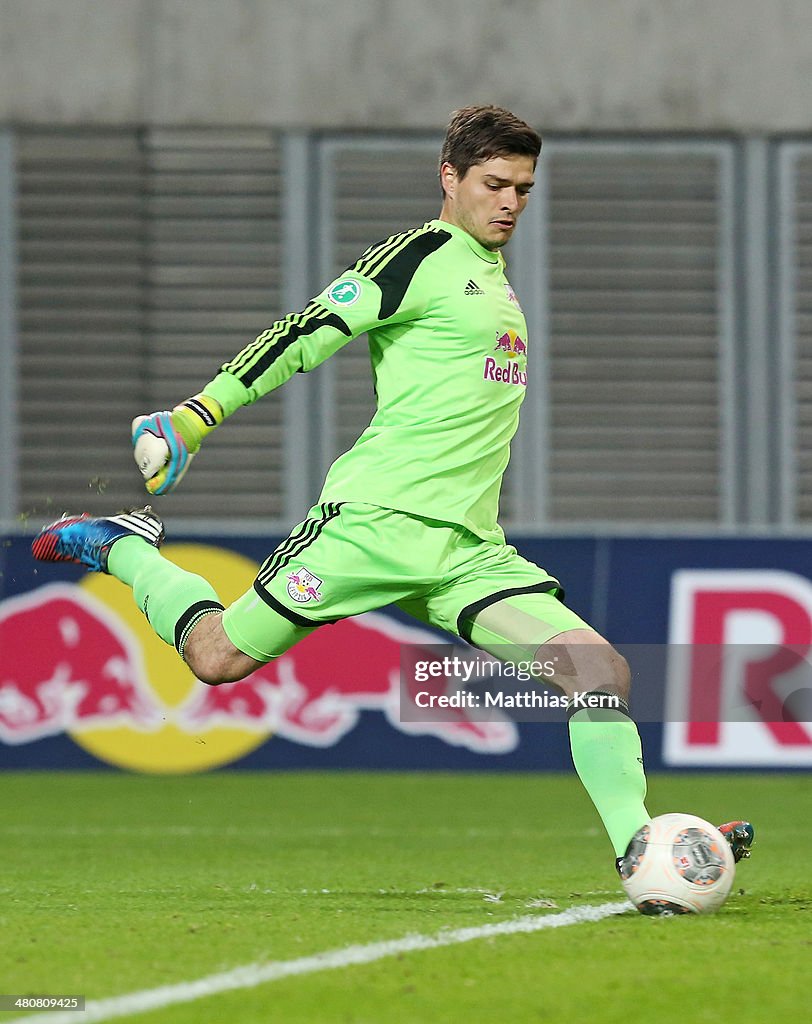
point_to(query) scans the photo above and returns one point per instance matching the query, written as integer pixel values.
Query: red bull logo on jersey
(303, 586)
(514, 371)
(511, 344)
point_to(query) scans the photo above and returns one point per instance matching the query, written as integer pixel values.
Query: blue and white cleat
(86, 540)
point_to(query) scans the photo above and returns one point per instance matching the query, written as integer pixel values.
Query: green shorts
(349, 558)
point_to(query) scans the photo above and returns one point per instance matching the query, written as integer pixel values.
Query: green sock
(172, 599)
(607, 755)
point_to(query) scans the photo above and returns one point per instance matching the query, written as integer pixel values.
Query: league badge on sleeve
(344, 292)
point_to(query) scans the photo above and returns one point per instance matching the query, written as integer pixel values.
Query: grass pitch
(114, 884)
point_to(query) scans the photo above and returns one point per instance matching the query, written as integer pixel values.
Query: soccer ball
(677, 864)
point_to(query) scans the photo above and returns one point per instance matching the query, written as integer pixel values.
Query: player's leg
(182, 607)
(184, 610)
(604, 741)
(214, 658)
(343, 560)
(511, 608)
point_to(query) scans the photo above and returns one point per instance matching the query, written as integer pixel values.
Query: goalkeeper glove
(165, 442)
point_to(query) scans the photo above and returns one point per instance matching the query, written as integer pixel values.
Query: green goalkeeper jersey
(448, 344)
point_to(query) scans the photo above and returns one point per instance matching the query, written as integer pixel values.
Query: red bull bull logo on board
(69, 665)
(82, 660)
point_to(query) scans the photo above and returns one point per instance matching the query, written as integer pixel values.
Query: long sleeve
(374, 292)
(297, 342)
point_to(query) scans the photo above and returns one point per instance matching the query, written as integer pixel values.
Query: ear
(448, 178)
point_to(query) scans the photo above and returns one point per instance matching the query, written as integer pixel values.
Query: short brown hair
(477, 134)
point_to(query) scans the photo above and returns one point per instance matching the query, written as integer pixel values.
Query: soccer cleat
(86, 540)
(741, 835)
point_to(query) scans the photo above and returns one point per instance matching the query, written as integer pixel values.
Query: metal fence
(667, 285)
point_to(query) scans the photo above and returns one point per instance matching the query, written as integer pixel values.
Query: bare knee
(619, 674)
(585, 661)
(213, 657)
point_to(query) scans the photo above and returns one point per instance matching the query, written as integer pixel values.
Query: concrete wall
(743, 65)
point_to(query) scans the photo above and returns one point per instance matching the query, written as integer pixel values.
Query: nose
(510, 200)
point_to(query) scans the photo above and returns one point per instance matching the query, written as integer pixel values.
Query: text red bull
(510, 374)
(738, 636)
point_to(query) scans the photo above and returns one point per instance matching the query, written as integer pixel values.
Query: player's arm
(165, 442)
(374, 291)
(391, 283)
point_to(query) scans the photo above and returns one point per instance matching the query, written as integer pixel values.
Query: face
(487, 202)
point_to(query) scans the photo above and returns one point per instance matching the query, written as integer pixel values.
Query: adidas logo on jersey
(472, 288)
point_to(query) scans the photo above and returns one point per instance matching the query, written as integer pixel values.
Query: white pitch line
(252, 975)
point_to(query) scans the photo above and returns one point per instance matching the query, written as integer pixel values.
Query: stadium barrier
(717, 632)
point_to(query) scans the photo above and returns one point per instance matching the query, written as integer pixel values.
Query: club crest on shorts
(303, 586)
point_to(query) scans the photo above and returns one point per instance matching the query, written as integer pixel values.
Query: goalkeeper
(409, 514)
